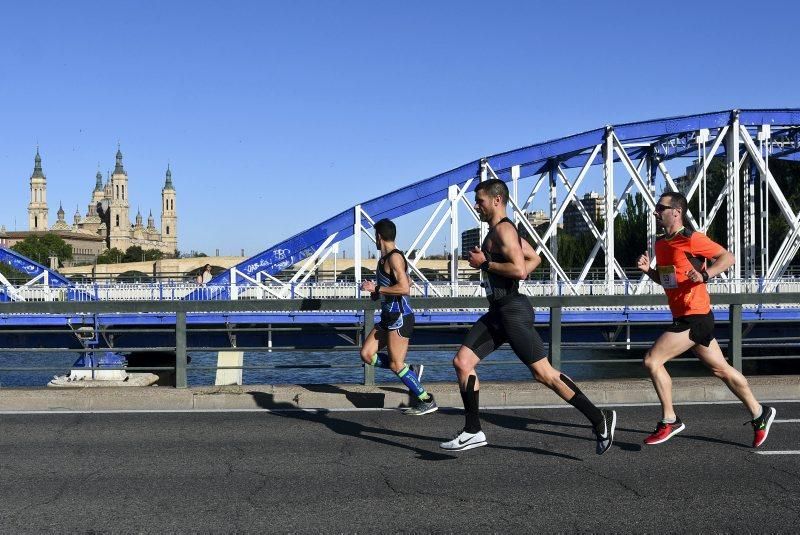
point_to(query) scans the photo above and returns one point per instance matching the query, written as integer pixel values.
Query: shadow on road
(348, 428)
(387, 437)
(524, 424)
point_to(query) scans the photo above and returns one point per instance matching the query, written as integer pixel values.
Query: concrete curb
(387, 396)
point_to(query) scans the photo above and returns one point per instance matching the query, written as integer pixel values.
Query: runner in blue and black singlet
(396, 313)
(386, 345)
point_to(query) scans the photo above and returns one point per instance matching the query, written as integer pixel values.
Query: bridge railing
(175, 331)
(176, 291)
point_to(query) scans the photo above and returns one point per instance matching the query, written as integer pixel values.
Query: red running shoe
(665, 432)
(762, 424)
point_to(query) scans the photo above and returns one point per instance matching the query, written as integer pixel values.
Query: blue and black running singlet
(392, 303)
(396, 313)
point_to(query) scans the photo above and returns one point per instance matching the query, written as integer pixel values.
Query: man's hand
(694, 275)
(476, 258)
(368, 286)
(643, 263)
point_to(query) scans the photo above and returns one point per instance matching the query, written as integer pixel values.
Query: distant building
(469, 239)
(594, 203)
(539, 220)
(88, 234)
(85, 247)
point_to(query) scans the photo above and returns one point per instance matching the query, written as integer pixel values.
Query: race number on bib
(487, 286)
(667, 275)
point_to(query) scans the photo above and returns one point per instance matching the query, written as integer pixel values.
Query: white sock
(760, 412)
(670, 420)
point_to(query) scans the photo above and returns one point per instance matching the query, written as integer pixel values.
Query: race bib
(667, 276)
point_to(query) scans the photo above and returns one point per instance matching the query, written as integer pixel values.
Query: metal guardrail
(174, 291)
(365, 309)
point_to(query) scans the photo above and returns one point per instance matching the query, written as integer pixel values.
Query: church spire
(37, 165)
(118, 168)
(98, 186)
(168, 181)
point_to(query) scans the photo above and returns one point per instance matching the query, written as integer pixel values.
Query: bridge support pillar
(229, 376)
(735, 338)
(555, 337)
(369, 324)
(180, 350)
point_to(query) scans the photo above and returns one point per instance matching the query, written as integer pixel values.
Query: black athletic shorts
(509, 321)
(394, 321)
(700, 327)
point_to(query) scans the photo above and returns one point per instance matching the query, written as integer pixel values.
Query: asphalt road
(380, 471)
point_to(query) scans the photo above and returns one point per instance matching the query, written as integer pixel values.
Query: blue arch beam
(570, 151)
(33, 269)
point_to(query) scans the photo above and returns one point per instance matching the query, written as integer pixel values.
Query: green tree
(40, 247)
(110, 256)
(630, 231)
(134, 253)
(153, 254)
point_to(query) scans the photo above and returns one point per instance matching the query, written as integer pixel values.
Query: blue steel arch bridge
(646, 157)
(643, 157)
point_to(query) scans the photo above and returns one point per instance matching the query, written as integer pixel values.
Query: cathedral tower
(37, 208)
(169, 215)
(120, 223)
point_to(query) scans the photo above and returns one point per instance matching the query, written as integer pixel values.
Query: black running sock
(582, 403)
(472, 422)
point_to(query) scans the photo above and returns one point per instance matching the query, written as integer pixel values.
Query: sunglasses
(661, 207)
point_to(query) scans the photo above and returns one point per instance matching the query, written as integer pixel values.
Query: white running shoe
(465, 441)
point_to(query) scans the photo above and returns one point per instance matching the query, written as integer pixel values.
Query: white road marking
(784, 452)
(786, 421)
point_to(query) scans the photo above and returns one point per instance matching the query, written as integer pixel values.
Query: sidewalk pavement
(388, 395)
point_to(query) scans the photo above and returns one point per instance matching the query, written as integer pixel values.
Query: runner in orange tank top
(685, 260)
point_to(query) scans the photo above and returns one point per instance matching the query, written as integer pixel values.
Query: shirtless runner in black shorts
(505, 259)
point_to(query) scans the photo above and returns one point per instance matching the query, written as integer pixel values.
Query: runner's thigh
(485, 336)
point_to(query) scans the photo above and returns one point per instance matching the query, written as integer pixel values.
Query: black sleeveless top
(497, 286)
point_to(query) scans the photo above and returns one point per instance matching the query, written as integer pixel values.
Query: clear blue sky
(277, 115)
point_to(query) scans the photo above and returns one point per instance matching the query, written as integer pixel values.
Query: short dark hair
(677, 200)
(386, 229)
(494, 187)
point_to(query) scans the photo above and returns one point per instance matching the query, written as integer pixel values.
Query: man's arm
(532, 258)
(507, 238)
(644, 265)
(721, 262)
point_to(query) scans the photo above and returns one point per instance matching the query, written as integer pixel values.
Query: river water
(344, 367)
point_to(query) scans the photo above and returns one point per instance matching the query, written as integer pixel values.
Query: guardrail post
(369, 323)
(180, 349)
(555, 337)
(735, 338)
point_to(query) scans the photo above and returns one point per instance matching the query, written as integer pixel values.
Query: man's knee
(651, 361)
(366, 355)
(544, 373)
(463, 363)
